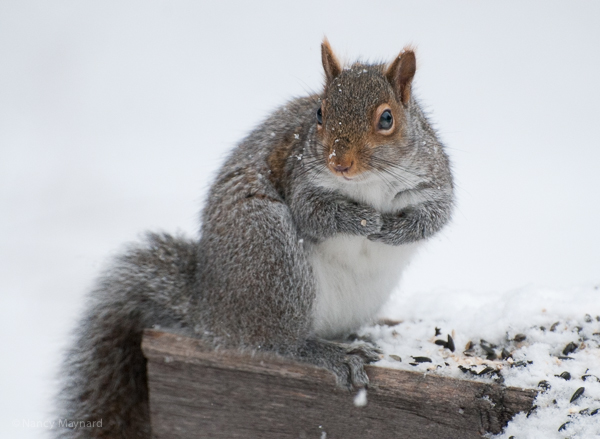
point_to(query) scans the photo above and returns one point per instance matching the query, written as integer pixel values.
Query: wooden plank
(198, 392)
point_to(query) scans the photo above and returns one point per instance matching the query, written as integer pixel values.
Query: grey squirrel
(305, 232)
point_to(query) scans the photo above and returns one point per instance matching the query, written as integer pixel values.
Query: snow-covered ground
(114, 116)
(535, 338)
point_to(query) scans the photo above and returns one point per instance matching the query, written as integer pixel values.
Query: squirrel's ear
(331, 65)
(400, 74)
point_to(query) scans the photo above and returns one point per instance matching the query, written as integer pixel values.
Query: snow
(360, 399)
(114, 117)
(534, 327)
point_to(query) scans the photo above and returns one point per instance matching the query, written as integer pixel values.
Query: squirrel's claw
(369, 353)
(375, 237)
(356, 359)
(357, 378)
(345, 361)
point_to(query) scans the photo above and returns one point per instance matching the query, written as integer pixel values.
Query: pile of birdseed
(534, 338)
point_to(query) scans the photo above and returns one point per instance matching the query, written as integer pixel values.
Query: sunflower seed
(577, 394)
(544, 385)
(564, 426)
(451, 343)
(570, 348)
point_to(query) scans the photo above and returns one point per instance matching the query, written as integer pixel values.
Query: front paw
(350, 372)
(345, 361)
(358, 219)
(355, 377)
(368, 352)
(391, 231)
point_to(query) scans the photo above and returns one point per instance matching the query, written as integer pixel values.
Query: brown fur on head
(353, 102)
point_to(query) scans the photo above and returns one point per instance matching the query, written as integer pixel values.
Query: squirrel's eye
(386, 120)
(319, 116)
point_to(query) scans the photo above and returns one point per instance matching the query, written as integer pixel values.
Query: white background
(115, 115)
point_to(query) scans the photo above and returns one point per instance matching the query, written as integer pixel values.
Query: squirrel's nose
(343, 167)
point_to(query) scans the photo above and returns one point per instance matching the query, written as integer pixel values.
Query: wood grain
(197, 392)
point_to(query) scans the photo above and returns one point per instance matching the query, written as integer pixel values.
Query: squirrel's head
(362, 109)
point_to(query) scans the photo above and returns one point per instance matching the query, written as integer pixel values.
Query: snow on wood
(198, 392)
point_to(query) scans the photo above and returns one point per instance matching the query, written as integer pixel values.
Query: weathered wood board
(196, 392)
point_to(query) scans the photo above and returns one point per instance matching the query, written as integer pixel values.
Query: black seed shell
(487, 370)
(520, 337)
(441, 343)
(544, 385)
(590, 377)
(451, 343)
(531, 410)
(577, 394)
(570, 348)
(564, 426)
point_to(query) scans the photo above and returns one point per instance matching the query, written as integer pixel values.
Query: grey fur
(247, 282)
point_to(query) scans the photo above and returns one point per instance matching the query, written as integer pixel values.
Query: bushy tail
(105, 392)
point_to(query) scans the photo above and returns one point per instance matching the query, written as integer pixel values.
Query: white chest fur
(355, 277)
